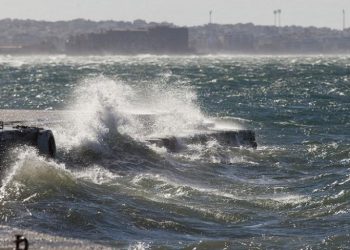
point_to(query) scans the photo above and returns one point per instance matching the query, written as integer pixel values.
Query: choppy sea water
(107, 186)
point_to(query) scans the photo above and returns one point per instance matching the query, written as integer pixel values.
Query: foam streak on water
(109, 187)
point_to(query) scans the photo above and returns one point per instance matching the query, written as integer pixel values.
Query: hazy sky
(326, 13)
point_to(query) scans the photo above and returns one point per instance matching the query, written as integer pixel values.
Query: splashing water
(104, 108)
(108, 186)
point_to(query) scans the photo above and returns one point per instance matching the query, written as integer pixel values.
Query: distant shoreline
(50, 37)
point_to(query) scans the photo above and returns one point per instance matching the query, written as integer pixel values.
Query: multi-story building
(158, 40)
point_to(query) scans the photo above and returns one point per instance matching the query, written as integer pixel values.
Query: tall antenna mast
(279, 17)
(210, 16)
(344, 20)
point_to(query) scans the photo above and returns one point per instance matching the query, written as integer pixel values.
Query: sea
(109, 188)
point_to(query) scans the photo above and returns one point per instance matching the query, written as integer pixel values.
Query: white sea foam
(139, 246)
(292, 199)
(168, 188)
(97, 175)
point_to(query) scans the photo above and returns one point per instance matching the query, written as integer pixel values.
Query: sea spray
(104, 105)
(107, 110)
(107, 186)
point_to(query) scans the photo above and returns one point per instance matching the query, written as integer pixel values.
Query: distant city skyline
(319, 13)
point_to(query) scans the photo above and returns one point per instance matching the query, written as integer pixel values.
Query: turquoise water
(110, 187)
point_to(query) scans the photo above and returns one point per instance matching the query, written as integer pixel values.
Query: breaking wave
(108, 184)
(107, 114)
